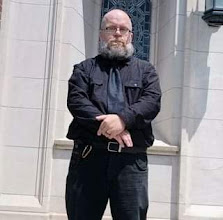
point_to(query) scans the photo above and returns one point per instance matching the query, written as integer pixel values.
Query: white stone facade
(41, 40)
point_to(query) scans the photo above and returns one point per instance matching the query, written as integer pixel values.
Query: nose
(117, 32)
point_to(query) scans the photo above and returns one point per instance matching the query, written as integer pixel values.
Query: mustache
(117, 41)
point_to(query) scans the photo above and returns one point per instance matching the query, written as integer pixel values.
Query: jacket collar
(113, 62)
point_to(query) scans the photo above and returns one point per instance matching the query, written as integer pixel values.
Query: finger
(99, 132)
(102, 129)
(107, 135)
(130, 143)
(126, 137)
(111, 134)
(126, 141)
(118, 138)
(101, 117)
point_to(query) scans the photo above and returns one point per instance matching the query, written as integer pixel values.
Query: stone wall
(188, 53)
(40, 41)
(202, 118)
(169, 61)
(27, 43)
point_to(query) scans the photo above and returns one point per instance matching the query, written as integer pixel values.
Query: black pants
(120, 177)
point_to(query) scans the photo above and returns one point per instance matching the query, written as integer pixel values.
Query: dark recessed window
(140, 13)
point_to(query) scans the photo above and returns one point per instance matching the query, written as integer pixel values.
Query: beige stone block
(202, 181)
(163, 176)
(34, 2)
(172, 32)
(200, 189)
(200, 212)
(63, 120)
(32, 18)
(195, 6)
(205, 186)
(27, 59)
(200, 138)
(162, 211)
(170, 71)
(199, 103)
(19, 170)
(168, 130)
(202, 37)
(62, 95)
(73, 29)
(23, 93)
(92, 13)
(170, 99)
(167, 11)
(21, 127)
(69, 56)
(57, 205)
(76, 5)
(60, 165)
(203, 70)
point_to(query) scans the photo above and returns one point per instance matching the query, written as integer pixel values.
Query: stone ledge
(158, 148)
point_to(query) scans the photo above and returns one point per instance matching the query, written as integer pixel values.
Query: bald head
(116, 35)
(116, 15)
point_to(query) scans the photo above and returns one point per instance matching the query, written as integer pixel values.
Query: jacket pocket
(97, 89)
(142, 162)
(133, 91)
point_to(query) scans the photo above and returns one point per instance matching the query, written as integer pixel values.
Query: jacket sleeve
(78, 102)
(141, 113)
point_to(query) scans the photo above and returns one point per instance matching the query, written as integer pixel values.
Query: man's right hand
(124, 139)
(111, 125)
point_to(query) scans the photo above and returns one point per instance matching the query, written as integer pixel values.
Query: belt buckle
(118, 150)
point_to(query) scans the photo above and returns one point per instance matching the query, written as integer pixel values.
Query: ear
(130, 38)
(101, 35)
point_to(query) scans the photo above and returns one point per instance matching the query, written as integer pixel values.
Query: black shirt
(87, 98)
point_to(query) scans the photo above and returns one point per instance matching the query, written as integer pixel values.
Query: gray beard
(116, 53)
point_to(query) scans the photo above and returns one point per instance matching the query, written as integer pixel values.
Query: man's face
(116, 31)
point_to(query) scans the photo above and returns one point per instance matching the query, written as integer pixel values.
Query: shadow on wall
(184, 100)
(196, 73)
(92, 16)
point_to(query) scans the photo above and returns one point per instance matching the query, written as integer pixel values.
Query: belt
(114, 147)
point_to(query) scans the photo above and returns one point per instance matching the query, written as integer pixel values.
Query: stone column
(77, 40)
(40, 42)
(26, 107)
(201, 192)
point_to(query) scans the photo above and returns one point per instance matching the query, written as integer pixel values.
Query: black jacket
(87, 98)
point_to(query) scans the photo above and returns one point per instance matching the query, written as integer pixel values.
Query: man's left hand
(124, 139)
(111, 125)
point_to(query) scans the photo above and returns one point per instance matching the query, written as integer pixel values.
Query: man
(113, 99)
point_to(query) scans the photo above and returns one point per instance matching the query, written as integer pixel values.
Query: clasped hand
(112, 126)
